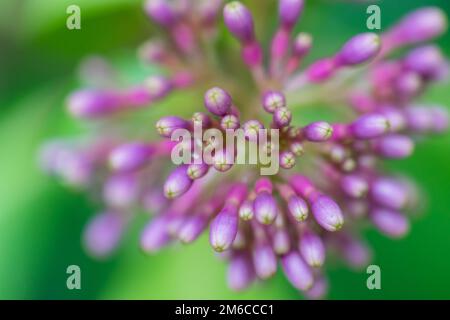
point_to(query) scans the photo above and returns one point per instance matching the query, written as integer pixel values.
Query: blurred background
(41, 221)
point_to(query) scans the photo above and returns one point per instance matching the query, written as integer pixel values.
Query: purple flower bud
(395, 117)
(321, 70)
(302, 44)
(289, 11)
(327, 213)
(155, 235)
(318, 131)
(355, 252)
(264, 260)
(265, 208)
(359, 49)
(240, 272)
(192, 228)
(391, 223)
(251, 129)
(354, 185)
(121, 191)
(167, 125)
(408, 84)
(197, 171)
(312, 249)
(103, 233)
(246, 210)
(297, 148)
(224, 228)
(201, 119)
(218, 101)
(91, 104)
(281, 241)
(131, 156)
(223, 161)
(318, 290)
(370, 126)
(420, 25)
(395, 146)
(297, 271)
(427, 61)
(298, 208)
(273, 100)
(239, 21)
(419, 119)
(230, 122)
(158, 87)
(287, 160)
(389, 192)
(161, 11)
(177, 183)
(282, 117)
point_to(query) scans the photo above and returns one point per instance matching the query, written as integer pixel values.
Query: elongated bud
(298, 208)
(282, 117)
(264, 260)
(297, 149)
(161, 11)
(370, 126)
(218, 101)
(103, 233)
(327, 213)
(167, 125)
(289, 12)
(246, 210)
(390, 222)
(359, 49)
(302, 44)
(192, 228)
(420, 25)
(395, 146)
(224, 228)
(318, 131)
(297, 271)
(240, 272)
(239, 21)
(356, 252)
(312, 249)
(121, 191)
(265, 208)
(281, 241)
(273, 100)
(177, 183)
(131, 156)
(321, 70)
(158, 87)
(389, 192)
(91, 104)
(354, 185)
(197, 171)
(427, 61)
(155, 235)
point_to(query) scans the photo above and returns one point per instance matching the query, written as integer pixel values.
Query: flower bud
(359, 49)
(177, 183)
(218, 101)
(297, 271)
(239, 21)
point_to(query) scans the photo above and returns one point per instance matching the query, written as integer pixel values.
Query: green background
(41, 221)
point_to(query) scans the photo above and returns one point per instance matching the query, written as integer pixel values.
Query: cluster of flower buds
(330, 183)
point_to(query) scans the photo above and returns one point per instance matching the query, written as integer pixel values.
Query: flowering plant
(332, 179)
